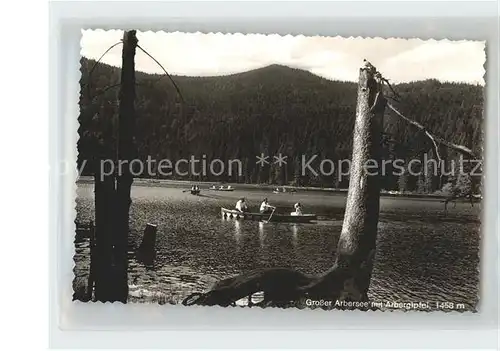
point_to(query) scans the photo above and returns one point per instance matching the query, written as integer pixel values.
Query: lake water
(422, 255)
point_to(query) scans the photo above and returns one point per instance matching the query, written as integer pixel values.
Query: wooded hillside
(272, 110)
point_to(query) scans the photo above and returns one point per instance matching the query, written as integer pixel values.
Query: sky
(335, 58)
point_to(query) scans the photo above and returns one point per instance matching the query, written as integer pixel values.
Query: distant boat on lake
(221, 188)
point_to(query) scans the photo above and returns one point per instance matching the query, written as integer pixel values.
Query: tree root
(279, 285)
(282, 287)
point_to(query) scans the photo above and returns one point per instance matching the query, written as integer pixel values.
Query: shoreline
(243, 186)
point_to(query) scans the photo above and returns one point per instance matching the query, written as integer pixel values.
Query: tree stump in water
(147, 249)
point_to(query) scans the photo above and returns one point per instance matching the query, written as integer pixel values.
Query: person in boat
(221, 187)
(213, 187)
(228, 187)
(265, 207)
(241, 205)
(193, 187)
(298, 210)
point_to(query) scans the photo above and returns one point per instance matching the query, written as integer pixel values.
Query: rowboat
(234, 214)
(195, 192)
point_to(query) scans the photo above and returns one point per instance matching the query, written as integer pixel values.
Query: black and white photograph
(291, 171)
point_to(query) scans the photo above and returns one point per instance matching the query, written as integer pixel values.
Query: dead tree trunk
(126, 152)
(349, 277)
(112, 200)
(356, 246)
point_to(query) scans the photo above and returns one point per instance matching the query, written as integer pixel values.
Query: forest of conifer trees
(272, 110)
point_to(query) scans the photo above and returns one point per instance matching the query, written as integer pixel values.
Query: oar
(270, 215)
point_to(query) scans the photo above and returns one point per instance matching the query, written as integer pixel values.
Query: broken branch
(435, 139)
(386, 81)
(97, 62)
(164, 70)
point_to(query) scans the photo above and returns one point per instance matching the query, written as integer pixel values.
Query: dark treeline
(268, 111)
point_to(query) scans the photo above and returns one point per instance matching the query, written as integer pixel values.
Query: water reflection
(262, 234)
(295, 231)
(435, 259)
(237, 234)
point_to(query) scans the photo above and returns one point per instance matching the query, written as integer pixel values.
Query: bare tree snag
(126, 152)
(356, 247)
(112, 192)
(349, 277)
